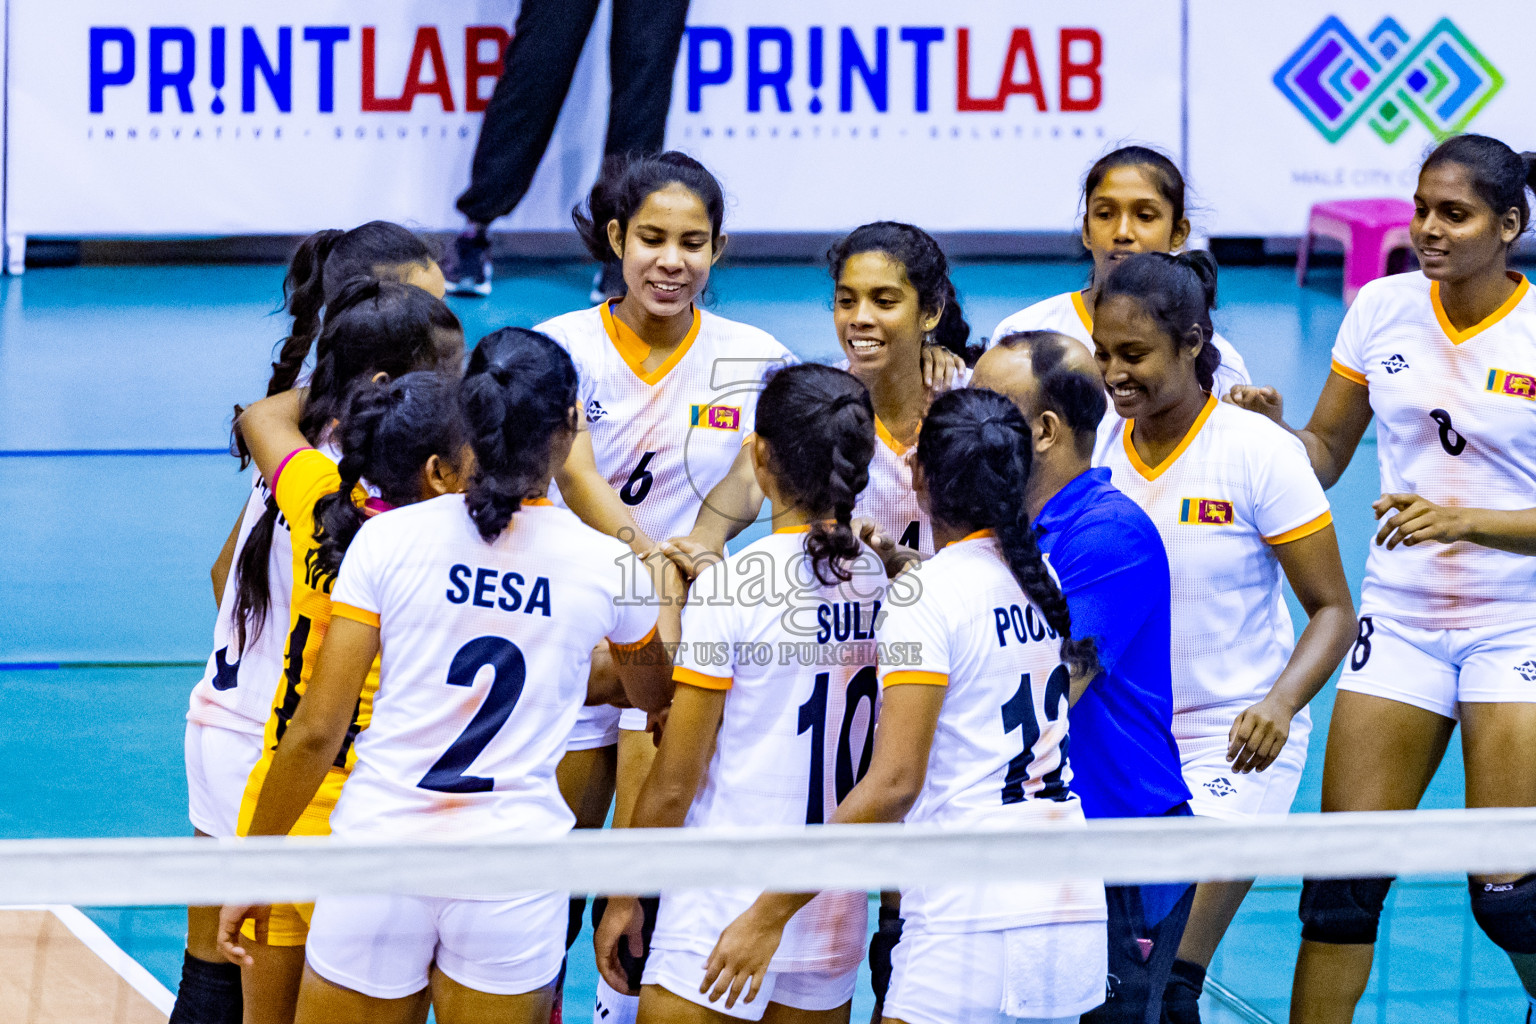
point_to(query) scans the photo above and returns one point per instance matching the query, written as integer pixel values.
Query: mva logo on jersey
(1335, 79)
(1504, 382)
(716, 417)
(1206, 511)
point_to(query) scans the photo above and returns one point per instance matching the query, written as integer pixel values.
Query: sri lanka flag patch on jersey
(1206, 511)
(1506, 382)
(716, 417)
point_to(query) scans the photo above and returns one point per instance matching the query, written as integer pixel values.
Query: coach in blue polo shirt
(1114, 572)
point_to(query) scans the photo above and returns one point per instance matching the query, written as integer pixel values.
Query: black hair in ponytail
(1178, 292)
(975, 452)
(388, 432)
(926, 268)
(627, 181)
(371, 327)
(324, 262)
(1500, 176)
(820, 428)
(518, 397)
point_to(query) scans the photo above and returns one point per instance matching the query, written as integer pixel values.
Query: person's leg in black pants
(521, 114)
(642, 59)
(1140, 956)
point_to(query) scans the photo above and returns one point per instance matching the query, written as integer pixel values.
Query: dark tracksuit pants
(540, 62)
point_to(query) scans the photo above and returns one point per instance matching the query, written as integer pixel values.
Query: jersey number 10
(813, 719)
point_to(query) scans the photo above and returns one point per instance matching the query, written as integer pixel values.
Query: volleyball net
(1432, 961)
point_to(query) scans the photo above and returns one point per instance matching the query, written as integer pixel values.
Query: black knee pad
(1342, 911)
(1506, 913)
(634, 966)
(573, 921)
(881, 945)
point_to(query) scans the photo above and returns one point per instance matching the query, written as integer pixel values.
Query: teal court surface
(116, 492)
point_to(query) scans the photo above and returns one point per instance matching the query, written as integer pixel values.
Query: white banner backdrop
(180, 117)
(1296, 103)
(971, 115)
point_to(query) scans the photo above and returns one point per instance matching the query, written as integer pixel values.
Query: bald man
(1114, 573)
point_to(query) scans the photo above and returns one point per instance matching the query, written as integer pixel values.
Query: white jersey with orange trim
(1456, 425)
(665, 438)
(999, 755)
(486, 648)
(797, 663)
(888, 499)
(236, 690)
(1236, 486)
(1066, 314)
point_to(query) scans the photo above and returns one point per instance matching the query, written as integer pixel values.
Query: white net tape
(139, 872)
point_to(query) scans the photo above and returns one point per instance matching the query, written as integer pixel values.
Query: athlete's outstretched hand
(231, 918)
(622, 922)
(1258, 736)
(1418, 520)
(1264, 400)
(742, 955)
(941, 368)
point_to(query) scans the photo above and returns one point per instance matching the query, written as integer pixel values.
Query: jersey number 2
(813, 719)
(639, 483)
(1019, 713)
(506, 661)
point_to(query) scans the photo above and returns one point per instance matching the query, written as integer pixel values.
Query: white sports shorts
(681, 973)
(1219, 792)
(1437, 669)
(596, 726)
(1037, 974)
(385, 946)
(219, 761)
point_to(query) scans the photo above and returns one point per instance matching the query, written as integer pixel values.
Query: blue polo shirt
(1114, 572)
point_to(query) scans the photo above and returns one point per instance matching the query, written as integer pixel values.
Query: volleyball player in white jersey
(773, 719)
(1241, 514)
(667, 393)
(252, 578)
(903, 334)
(1445, 359)
(1133, 199)
(486, 607)
(972, 734)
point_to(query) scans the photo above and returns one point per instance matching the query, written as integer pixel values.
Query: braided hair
(388, 431)
(1178, 292)
(518, 398)
(820, 428)
(975, 453)
(371, 327)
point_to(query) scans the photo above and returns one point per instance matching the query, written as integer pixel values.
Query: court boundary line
(70, 453)
(1235, 1003)
(108, 952)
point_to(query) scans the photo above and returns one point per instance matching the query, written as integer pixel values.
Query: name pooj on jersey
(715, 417)
(1206, 511)
(1507, 382)
(1024, 625)
(495, 588)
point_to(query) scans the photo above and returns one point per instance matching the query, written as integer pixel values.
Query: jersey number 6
(506, 661)
(639, 483)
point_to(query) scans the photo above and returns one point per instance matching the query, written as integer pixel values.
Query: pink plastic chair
(1370, 231)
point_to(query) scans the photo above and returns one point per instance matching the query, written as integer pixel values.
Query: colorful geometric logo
(1506, 382)
(1442, 80)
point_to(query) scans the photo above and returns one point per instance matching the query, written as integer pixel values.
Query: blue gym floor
(116, 388)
